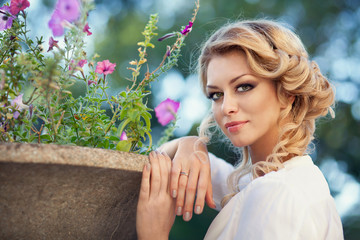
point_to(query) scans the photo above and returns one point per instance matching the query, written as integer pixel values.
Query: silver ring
(184, 173)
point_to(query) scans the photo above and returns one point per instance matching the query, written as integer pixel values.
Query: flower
(68, 9)
(105, 67)
(5, 19)
(18, 103)
(55, 24)
(91, 82)
(166, 111)
(187, 29)
(52, 44)
(169, 35)
(18, 5)
(86, 29)
(80, 64)
(123, 136)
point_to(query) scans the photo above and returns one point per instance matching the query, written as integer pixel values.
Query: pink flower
(123, 136)
(18, 5)
(86, 29)
(68, 9)
(80, 64)
(52, 44)
(105, 67)
(187, 29)
(91, 82)
(55, 24)
(6, 18)
(166, 111)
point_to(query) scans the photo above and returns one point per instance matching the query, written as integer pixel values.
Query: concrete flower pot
(67, 192)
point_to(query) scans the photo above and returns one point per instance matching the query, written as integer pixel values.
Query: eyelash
(247, 87)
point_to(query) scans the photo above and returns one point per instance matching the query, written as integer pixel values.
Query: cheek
(216, 112)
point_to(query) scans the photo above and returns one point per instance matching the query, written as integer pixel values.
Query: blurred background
(329, 29)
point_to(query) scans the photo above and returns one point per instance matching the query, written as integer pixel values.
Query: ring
(184, 173)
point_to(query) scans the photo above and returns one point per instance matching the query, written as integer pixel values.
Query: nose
(229, 105)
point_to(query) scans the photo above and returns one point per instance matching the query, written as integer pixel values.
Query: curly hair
(274, 52)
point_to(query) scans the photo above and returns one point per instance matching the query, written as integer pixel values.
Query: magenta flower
(55, 24)
(68, 9)
(91, 82)
(80, 64)
(52, 44)
(87, 29)
(166, 111)
(105, 67)
(187, 29)
(18, 5)
(123, 136)
(6, 18)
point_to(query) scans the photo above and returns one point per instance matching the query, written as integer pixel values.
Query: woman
(266, 96)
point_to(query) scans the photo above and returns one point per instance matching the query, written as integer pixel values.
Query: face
(245, 107)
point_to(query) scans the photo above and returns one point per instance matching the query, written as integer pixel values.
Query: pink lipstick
(235, 126)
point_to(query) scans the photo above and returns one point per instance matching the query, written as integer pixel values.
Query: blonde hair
(273, 52)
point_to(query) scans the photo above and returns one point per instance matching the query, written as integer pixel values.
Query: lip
(235, 125)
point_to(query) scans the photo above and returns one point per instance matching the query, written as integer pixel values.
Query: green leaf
(124, 146)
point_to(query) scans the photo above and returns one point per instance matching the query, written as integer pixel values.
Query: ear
(290, 101)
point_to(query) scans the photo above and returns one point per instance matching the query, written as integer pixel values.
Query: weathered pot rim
(70, 155)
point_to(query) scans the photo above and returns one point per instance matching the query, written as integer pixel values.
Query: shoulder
(298, 185)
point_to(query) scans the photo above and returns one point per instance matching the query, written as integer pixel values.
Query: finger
(168, 165)
(190, 193)
(174, 178)
(155, 174)
(181, 194)
(145, 183)
(209, 196)
(164, 172)
(201, 190)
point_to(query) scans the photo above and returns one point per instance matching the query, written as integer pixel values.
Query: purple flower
(16, 114)
(187, 29)
(68, 9)
(87, 29)
(6, 18)
(166, 111)
(169, 35)
(18, 104)
(123, 136)
(55, 24)
(52, 44)
(105, 67)
(18, 5)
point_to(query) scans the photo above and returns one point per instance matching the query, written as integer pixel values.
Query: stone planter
(67, 192)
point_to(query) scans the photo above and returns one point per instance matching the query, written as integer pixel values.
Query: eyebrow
(231, 81)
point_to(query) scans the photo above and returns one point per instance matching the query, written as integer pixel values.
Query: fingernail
(187, 216)
(148, 166)
(179, 211)
(174, 193)
(198, 210)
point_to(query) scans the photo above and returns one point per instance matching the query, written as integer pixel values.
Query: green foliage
(49, 113)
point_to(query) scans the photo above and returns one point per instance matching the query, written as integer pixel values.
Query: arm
(155, 210)
(189, 156)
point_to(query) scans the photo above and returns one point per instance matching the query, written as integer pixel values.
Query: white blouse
(292, 203)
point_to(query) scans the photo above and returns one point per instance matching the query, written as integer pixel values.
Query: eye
(244, 87)
(215, 96)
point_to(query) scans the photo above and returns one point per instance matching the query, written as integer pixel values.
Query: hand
(156, 208)
(190, 175)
